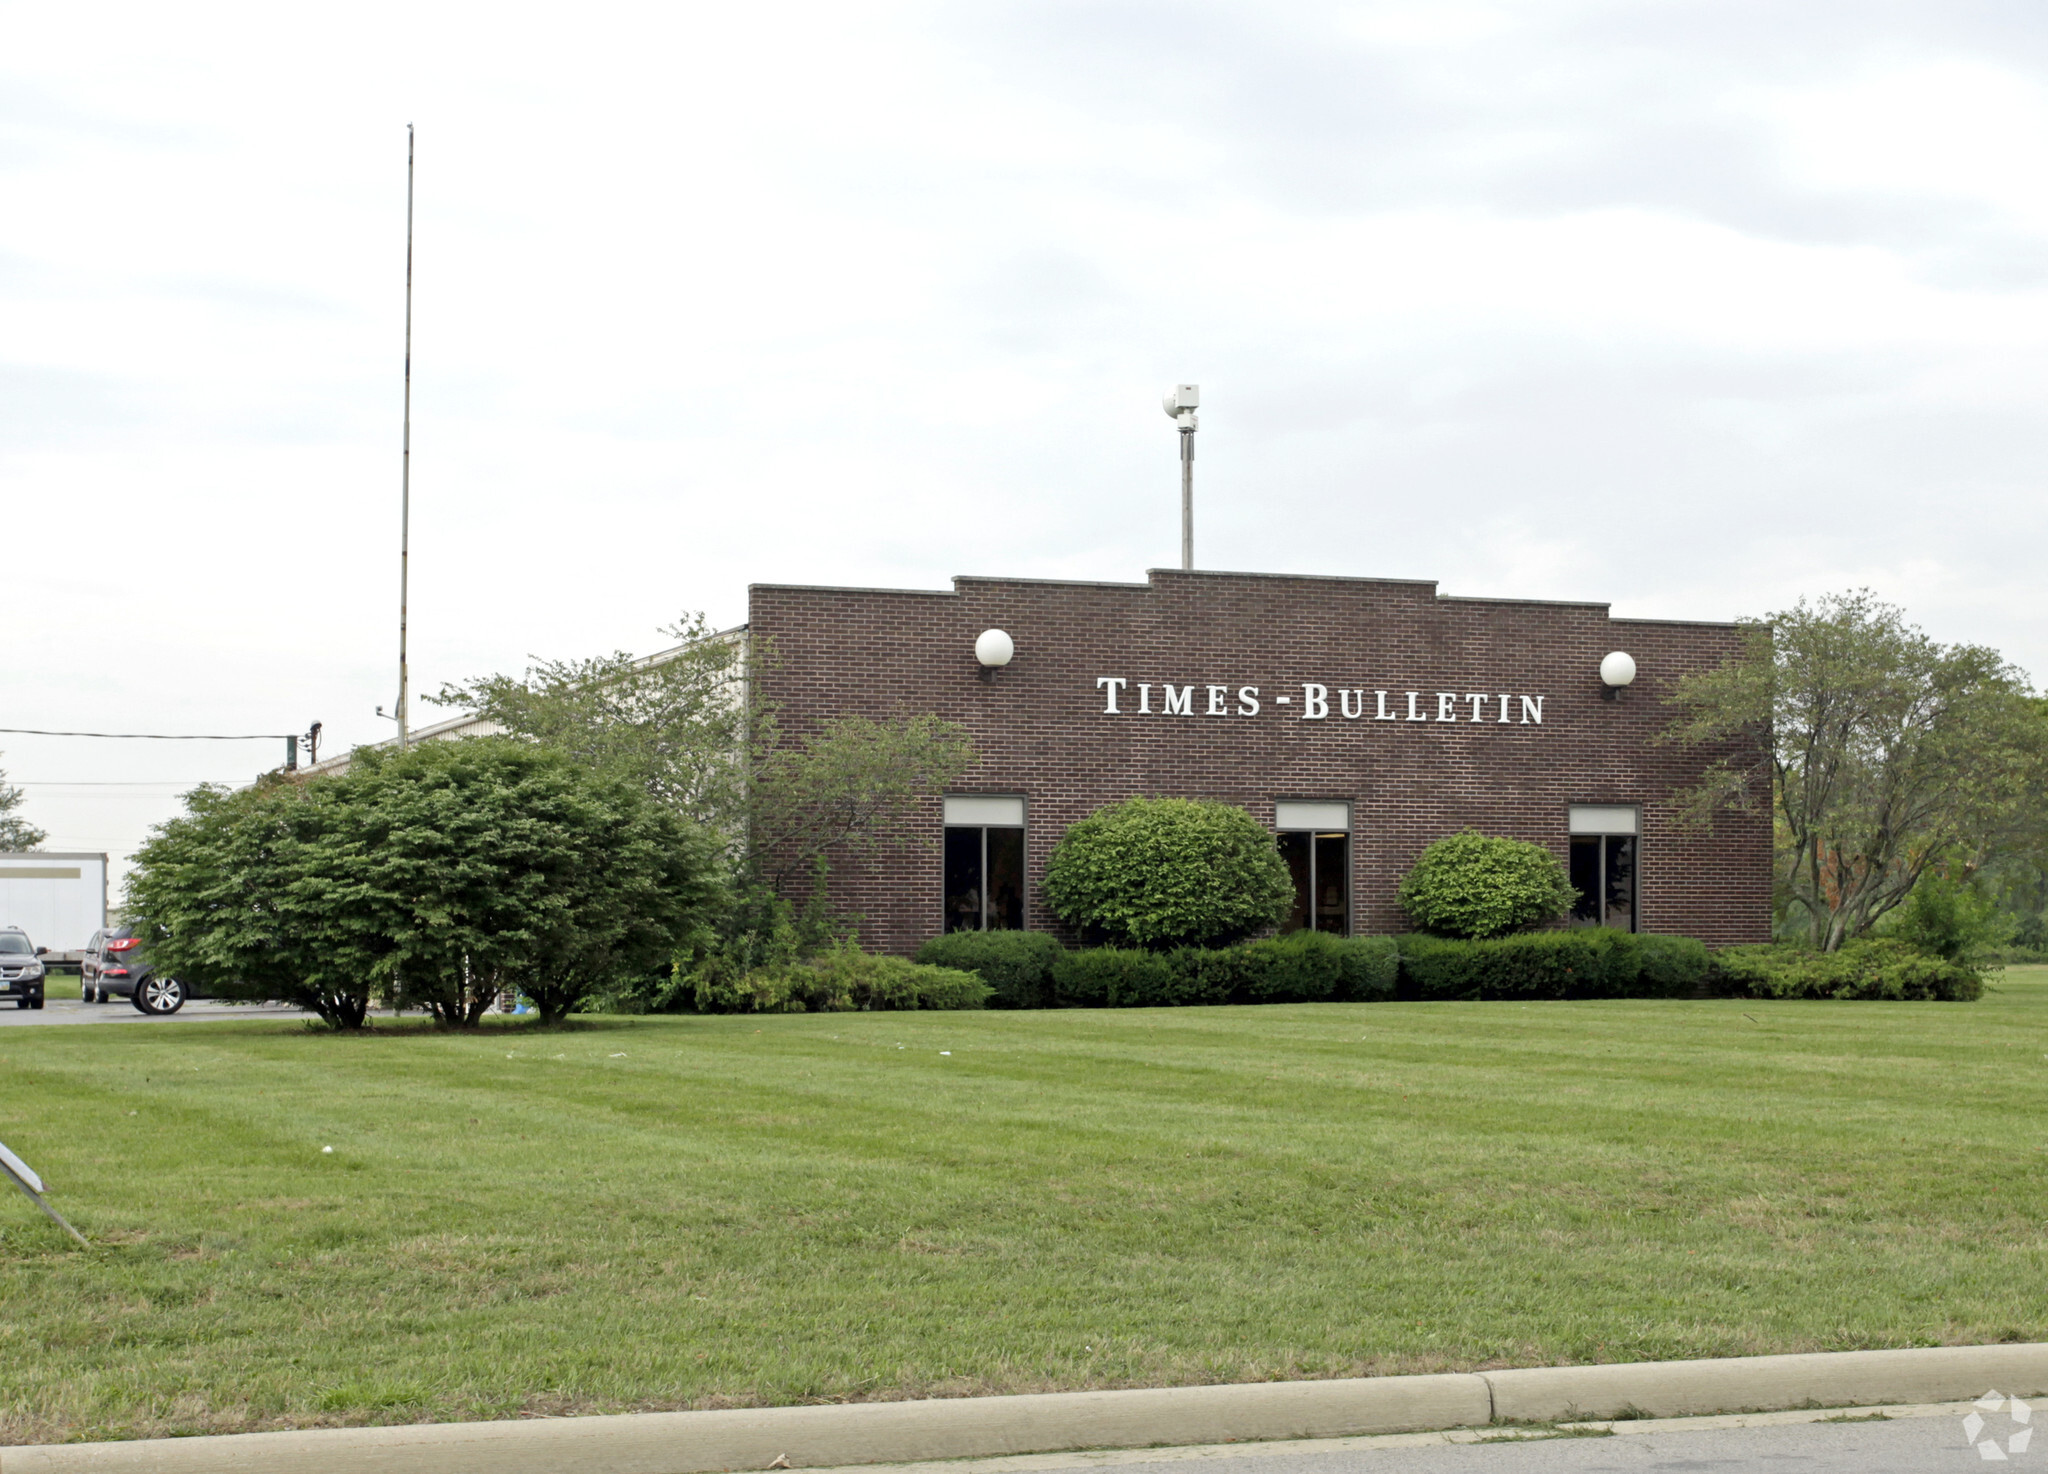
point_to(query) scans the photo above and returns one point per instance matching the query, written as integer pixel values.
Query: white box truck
(58, 897)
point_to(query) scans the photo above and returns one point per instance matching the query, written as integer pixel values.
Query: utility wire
(161, 736)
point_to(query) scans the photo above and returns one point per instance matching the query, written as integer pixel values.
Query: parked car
(114, 967)
(21, 968)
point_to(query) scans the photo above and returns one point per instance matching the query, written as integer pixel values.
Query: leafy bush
(1871, 968)
(1372, 969)
(764, 990)
(440, 876)
(949, 988)
(1591, 962)
(1478, 885)
(1168, 872)
(1952, 919)
(841, 979)
(236, 896)
(1310, 967)
(1307, 967)
(1017, 964)
(1673, 967)
(1115, 977)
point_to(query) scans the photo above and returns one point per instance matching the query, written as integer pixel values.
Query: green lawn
(688, 1212)
(61, 984)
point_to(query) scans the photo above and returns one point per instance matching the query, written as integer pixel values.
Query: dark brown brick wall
(1039, 727)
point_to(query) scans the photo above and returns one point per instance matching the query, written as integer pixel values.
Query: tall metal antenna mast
(405, 462)
(1180, 403)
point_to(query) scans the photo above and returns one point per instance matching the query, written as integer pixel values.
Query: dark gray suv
(114, 967)
(21, 968)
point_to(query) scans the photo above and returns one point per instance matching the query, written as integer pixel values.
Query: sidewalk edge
(838, 1435)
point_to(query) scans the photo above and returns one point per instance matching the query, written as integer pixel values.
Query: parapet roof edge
(1085, 583)
(1152, 574)
(1516, 599)
(1420, 583)
(841, 588)
(1714, 624)
(53, 854)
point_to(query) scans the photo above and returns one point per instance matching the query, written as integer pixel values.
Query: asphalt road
(71, 1011)
(1903, 1446)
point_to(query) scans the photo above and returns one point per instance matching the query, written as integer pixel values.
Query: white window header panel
(1312, 816)
(1007, 812)
(1603, 819)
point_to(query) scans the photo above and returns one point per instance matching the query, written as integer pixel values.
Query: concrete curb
(982, 1427)
(1683, 1389)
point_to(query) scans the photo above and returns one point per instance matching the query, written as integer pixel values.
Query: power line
(161, 736)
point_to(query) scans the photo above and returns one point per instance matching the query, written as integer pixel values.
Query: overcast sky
(1693, 307)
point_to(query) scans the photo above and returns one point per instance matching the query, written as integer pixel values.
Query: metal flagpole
(405, 462)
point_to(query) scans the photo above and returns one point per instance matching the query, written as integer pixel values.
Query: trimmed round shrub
(1168, 872)
(1479, 885)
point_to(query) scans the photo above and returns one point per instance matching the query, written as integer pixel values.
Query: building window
(1604, 842)
(1315, 841)
(984, 864)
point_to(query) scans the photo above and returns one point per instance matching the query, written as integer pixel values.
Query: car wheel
(37, 1002)
(159, 995)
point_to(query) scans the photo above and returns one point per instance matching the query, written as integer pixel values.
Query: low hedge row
(1591, 962)
(1877, 968)
(1032, 970)
(840, 980)
(1018, 965)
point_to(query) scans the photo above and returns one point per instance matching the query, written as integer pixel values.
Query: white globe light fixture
(1617, 671)
(994, 649)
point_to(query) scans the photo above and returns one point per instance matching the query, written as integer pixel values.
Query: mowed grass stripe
(825, 1206)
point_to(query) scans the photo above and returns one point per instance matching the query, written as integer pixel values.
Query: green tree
(2015, 873)
(436, 878)
(255, 895)
(16, 833)
(1880, 751)
(1168, 872)
(679, 722)
(1479, 885)
(842, 790)
(1953, 916)
(690, 726)
(493, 863)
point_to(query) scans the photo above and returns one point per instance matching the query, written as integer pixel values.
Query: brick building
(1360, 718)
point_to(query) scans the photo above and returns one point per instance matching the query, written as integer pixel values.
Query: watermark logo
(2017, 1426)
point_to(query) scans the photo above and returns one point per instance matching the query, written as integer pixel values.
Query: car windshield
(13, 943)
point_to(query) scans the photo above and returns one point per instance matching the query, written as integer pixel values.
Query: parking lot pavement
(199, 1010)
